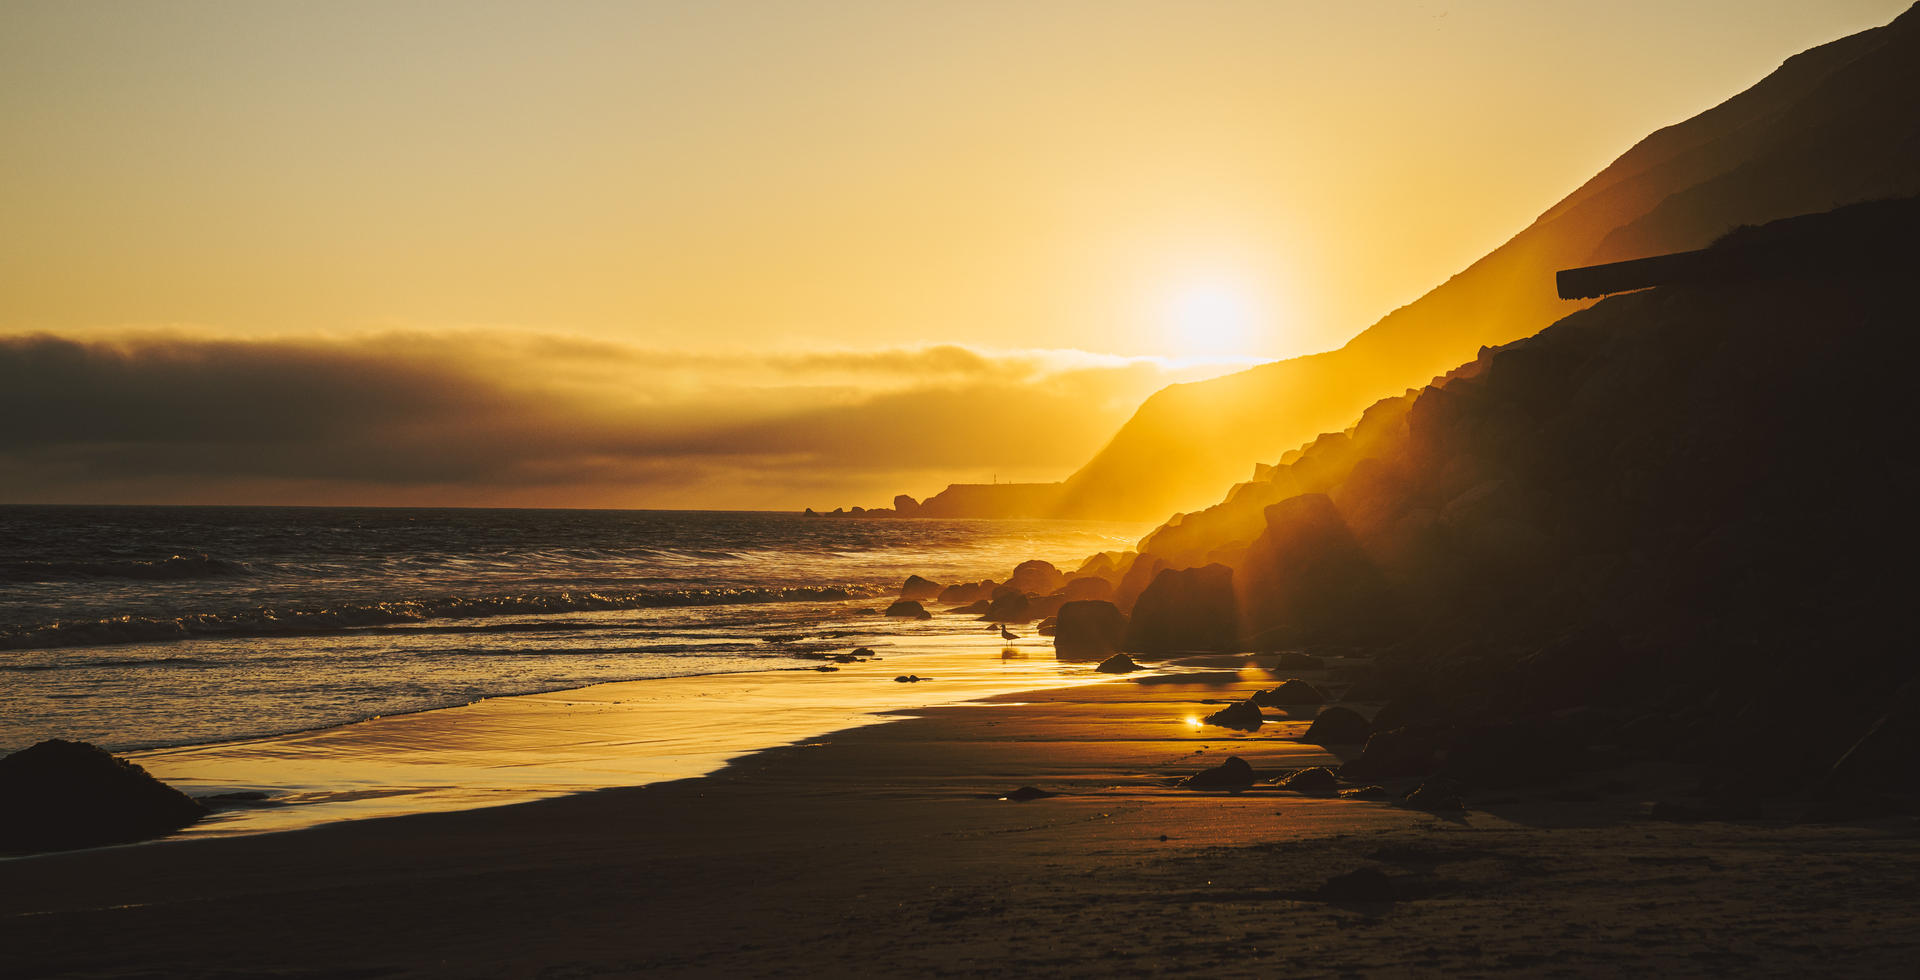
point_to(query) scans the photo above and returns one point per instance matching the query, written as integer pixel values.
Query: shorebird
(1007, 634)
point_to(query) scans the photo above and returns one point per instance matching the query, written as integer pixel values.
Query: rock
(1088, 629)
(1087, 588)
(862, 652)
(1296, 660)
(1360, 885)
(1338, 726)
(1308, 572)
(905, 506)
(908, 609)
(1437, 793)
(1365, 793)
(910, 679)
(1318, 781)
(1047, 626)
(1293, 692)
(1233, 774)
(1400, 752)
(1025, 793)
(826, 668)
(1009, 607)
(1045, 606)
(1185, 609)
(1243, 715)
(58, 795)
(920, 589)
(1119, 663)
(965, 592)
(977, 607)
(1037, 577)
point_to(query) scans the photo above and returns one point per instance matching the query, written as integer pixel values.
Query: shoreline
(890, 849)
(508, 749)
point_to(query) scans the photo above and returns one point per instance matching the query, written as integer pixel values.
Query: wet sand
(886, 849)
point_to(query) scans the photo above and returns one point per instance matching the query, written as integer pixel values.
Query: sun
(1211, 317)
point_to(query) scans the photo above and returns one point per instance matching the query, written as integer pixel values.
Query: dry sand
(885, 850)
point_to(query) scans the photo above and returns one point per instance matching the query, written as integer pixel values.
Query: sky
(751, 254)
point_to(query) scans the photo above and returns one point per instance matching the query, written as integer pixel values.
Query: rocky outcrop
(920, 589)
(58, 795)
(1317, 781)
(1186, 609)
(1088, 629)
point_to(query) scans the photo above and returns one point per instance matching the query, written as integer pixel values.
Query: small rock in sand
(911, 679)
(1359, 885)
(1318, 781)
(1242, 715)
(1233, 774)
(1435, 794)
(1365, 793)
(908, 609)
(1295, 691)
(1119, 663)
(1026, 793)
(1338, 726)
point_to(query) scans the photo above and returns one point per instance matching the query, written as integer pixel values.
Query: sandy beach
(889, 849)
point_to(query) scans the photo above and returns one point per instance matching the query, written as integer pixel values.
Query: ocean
(142, 627)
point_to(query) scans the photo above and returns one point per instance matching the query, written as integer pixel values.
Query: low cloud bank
(513, 418)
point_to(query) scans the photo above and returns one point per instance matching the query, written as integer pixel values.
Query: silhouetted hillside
(1683, 511)
(1837, 124)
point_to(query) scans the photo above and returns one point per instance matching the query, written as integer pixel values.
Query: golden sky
(732, 182)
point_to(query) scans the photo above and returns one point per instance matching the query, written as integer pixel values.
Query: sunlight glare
(1216, 317)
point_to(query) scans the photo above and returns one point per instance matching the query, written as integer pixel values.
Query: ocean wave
(174, 568)
(349, 616)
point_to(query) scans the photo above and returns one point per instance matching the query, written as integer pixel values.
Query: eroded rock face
(58, 795)
(1185, 609)
(908, 609)
(1088, 629)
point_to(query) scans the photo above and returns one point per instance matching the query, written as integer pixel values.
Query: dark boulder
(920, 589)
(1364, 793)
(1088, 629)
(1010, 607)
(59, 795)
(1400, 752)
(965, 592)
(905, 506)
(1242, 715)
(1119, 663)
(1293, 692)
(1338, 726)
(1306, 571)
(1185, 609)
(978, 607)
(1037, 577)
(1047, 626)
(911, 679)
(1233, 774)
(908, 609)
(1318, 781)
(1087, 588)
(1437, 793)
